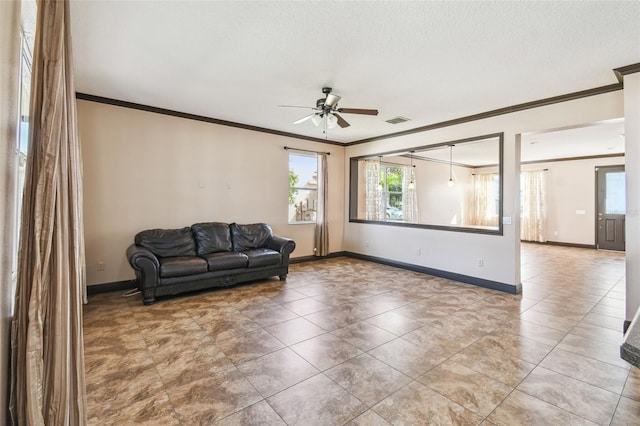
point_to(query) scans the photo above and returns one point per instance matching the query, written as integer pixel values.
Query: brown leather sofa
(204, 255)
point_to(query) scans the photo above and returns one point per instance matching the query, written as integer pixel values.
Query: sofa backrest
(247, 237)
(167, 242)
(212, 237)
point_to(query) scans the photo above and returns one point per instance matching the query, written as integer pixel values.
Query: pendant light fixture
(412, 184)
(451, 182)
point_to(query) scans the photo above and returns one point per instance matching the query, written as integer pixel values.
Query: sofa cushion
(212, 237)
(226, 260)
(182, 265)
(247, 237)
(168, 242)
(263, 257)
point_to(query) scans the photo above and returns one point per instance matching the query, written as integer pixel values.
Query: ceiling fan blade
(358, 111)
(341, 121)
(331, 99)
(303, 119)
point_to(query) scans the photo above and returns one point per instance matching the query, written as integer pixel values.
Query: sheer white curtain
(322, 226)
(533, 216)
(481, 208)
(409, 195)
(373, 198)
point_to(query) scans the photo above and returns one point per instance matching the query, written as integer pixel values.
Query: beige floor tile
(600, 334)
(498, 365)
(514, 345)
(276, 371)
(316, 401)
(259, 414)
(249, 346)
(520, 409)
(579, 398)
(207, 400)
(363, 335)
(539, 333)
(588, 370)
(394, 323)
(416, 404)
(294, 331)
(326, 351)
(593, 349)
(627, 413)
(180, 367)
(154, 410)
(367, 379)
(437, 340)
(547, 320)
(305, 306)
(457, 383)
(632, 386)
(406, 357)
(603, 321)
(369, 418)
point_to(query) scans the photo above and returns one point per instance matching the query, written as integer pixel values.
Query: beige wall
(437, 203)
(144, 170)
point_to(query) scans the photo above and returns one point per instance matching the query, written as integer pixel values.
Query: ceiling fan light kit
(326, 111)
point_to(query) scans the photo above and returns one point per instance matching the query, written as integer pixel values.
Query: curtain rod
(307, 150)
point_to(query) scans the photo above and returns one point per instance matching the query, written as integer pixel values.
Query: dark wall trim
(558, 243)
(304, 259)
(497, 112)
(625, 326)
(628, 69)
(493, 285)
(109, 287)
(586, 157)
(147, 108)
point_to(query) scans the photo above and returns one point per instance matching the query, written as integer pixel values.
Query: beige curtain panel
(47, 354)
(480, 212)
(533, 217)
(322, 220)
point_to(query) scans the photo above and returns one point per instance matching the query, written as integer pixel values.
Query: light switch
(506, 220)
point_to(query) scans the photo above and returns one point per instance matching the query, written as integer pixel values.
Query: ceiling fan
(326, 111)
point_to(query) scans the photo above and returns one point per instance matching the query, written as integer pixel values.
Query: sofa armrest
(141, 259)
(283, 245)
(147, 268)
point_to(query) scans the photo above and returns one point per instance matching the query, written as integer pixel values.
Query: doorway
(610, 207)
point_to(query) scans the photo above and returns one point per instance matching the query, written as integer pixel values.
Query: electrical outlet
(366, 244)
(418, 252)
(480, 263)
(100, 266)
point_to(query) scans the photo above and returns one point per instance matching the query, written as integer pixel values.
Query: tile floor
(345, 341)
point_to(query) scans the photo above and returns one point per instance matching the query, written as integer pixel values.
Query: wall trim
(625, 326)
(628, 69)
(467, 279)
(304, 259)
(173, 113)
(585, 157)
(558, 243)
(109, 287)
(500, 111)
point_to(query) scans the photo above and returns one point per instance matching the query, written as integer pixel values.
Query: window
(22, 143)
(391, 183)
(303, 187)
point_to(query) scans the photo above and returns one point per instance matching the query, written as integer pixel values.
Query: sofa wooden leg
(283, 277)
(148, 297)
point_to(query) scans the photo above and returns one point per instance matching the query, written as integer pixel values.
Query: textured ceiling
(427, 61)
